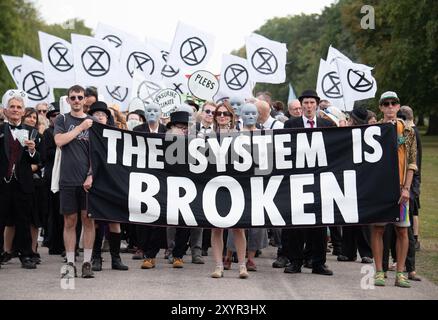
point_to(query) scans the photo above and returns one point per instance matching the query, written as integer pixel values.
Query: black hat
(140, 113)
(360, 115)
(178, 117)
(192, 103)
(53, 108)
(99, 106)
(309, 93)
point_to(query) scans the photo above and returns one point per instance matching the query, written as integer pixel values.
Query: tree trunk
(420, 122)
(433, 125)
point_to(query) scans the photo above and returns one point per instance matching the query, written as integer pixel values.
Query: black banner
(280, 178)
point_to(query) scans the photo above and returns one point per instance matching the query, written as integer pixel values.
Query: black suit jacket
(23, 169)
(299, 123)
(144, 127)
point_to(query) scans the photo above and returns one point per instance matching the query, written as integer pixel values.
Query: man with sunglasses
(389, 104)
(206, 125)
(71, 134)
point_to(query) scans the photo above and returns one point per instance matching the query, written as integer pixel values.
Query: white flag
(114, 37)
(145, 89)
(142, 57)
(34, 83)
(14, 67)
(234, 79)
(57, 56)
(266, 59)
(191, 48)
(116, 95)
(96, 63)
(328, 85)
(357, 82)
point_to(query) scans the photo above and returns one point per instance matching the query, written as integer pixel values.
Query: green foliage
(402, 47)
(19, 26)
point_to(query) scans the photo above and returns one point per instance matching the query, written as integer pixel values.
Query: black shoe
(96, 264)
(307, 264)
(336, 252)
(258, 253)
(116, 264)
(204, 253)
(5, 257)
(36, 258)
(345, 258)
(417, 245)
(293, 268)
(28, 263)
(86, 270)
(281, 262)
(322, 270)
(367, 260)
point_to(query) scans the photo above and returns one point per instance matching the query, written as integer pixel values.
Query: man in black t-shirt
(71, 134)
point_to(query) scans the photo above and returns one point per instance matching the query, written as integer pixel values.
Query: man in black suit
(315, 236)
(17, 154)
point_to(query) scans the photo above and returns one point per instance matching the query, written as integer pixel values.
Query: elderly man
(294, 108)
(17, 154)
(265, 118)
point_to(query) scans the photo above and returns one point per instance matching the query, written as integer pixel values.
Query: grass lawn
(427, 257)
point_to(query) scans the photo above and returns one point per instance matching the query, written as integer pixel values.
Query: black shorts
(414, 205)
(72, 200)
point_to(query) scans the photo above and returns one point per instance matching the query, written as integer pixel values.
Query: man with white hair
(294, 108)
(17, 154)
(265, 118)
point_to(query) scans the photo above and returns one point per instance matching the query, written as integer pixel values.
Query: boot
(96, 259)
(116, 261)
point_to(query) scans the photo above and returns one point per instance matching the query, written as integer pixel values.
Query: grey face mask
(249, 115)
(153, 113)
(131, 124)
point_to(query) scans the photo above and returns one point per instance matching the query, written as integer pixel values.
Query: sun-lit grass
(427, 258)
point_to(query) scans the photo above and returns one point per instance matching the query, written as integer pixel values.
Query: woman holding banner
(224, 123)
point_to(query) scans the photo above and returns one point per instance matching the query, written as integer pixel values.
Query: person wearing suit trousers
(16, 184)
(151, 238)
(316, 236)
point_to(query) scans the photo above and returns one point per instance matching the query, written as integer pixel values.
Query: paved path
(193, 282)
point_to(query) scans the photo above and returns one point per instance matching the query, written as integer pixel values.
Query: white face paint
(236, 105)
(249, 114)
(152, 112)
(131, 124)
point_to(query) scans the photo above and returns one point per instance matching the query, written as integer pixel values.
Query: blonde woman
(224, 123)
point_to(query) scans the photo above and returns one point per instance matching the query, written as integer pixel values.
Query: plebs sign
(168, 100)
(203, 85)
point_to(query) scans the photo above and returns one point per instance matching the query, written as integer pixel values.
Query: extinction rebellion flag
(281, 178)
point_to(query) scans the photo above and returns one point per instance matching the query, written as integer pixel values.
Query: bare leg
(8, 235)
(89, 231)
(377, 246)
(240, 244)
(115, 227)
(217, 245)
(34, 234)
(402, 246)
(70, 221)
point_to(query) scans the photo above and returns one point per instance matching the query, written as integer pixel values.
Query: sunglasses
(223, 114)
(208, 111)
(73, 98)
(42, 111)
(388, 103)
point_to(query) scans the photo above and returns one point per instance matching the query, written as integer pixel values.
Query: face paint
(152, 112)
(249, 114)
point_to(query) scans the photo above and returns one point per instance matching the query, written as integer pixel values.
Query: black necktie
(15, 127)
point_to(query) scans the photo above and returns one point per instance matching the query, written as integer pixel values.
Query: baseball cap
(388, 95)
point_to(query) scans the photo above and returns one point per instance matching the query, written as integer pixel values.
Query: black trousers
(151, 239)
(55, 225)
(336, 237)
(356, 238)
(182, 236)
(316, 238)
(17, 207)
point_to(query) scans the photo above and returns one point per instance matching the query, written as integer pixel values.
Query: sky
(229, 20)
